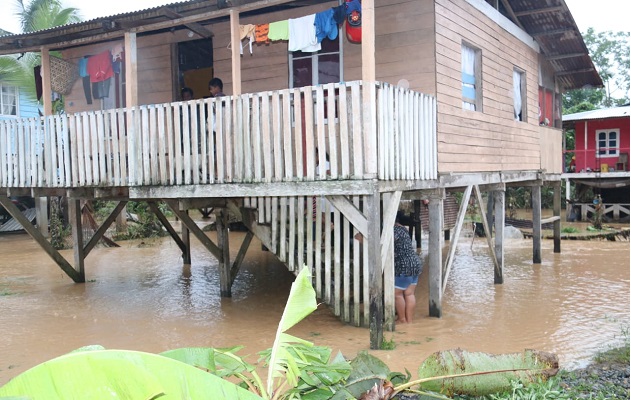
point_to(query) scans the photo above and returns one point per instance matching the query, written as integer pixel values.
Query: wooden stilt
(121, 220)
(498, 209)
(74, 206)
(186, 239)
(100, 232)
(417, 223)
(435, 253)
(41, 240)
(487, 228)
(536, 224)
(372, 241)
(41, 215)
(556, 205)
(391, 206)
(240, 256)
(223, 240)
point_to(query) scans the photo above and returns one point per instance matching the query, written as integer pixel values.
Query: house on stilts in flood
(435, 96)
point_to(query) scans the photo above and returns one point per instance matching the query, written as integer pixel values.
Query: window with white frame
(8, 100)
(318, 68)
(607, 142)
(471, 78)
(519, 95)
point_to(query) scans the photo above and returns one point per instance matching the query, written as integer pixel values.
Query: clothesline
(304, 33)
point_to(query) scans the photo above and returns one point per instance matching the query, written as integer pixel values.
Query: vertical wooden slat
(67, 164)
(347, 272)
(268, 210)
(178, 135)
(162, 144)
(337, 263)
(358, 153)
(357, 273)
(274, 222)
(256, 137)
(366, 261)
(123, 146)
(145, 131)
(130, 122)
(228, 141)
(11, 155)
(21, 138)
(282, 252)
(287, 136)
(318, 247)
(310, 228)
(300, 232)
(267, 144)
(327, 249)
(381, 129)
(247, 141)
(203, 140)
(171, 133)
(309, 137)
(109, 157)
(417, 139)
(4, 153)
(292, 234)
(81, 158)
(100, 132)
(186, 145)
(116, 155)
(221, 148)
(332, 131)
(410, 133)
(321, 132)
(262, 209)
(277, 137)
(237, 136)
(94, 148)
(192, 106)
(298, 134)
(344, 138)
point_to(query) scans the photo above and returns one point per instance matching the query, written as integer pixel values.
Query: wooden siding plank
(277, 137)
(287, 136)
(268, 173)
(344, 132)
(332, 131)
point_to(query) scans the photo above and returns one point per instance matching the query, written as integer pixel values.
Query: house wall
(490, 140)
(585, 142)
(26, 108)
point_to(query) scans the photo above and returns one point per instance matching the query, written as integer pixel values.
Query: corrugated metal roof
(614, 112)
(13, 226)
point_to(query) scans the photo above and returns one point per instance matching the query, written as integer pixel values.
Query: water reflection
(142, 297)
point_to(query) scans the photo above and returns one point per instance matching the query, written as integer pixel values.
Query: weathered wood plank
(344, 132)
(277, 137)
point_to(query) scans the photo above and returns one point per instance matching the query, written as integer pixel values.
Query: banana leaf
(492, 373)
(120, 374)
(366, 371)
(301, 302)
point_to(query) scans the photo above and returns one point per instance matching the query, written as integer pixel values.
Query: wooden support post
(195, 230)
(40, 239)
(236, 53)
(390, 207)
(186, 239)
(369, 90)
(131, 70)
(452, 246)
(74, 208)
(372, 240)
(499, 198)
(536, 223)
(121, 220)
(436, 254)
(41, 203)
(223, 241)
(487, 228)
(556, 206)
(417, 224)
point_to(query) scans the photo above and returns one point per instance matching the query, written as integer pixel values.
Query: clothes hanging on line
(278, 30)
(100, 67)
(260, 33)
(246, 32)
(325, 25)
(302, 34)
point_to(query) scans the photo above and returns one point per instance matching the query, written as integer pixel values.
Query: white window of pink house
(607, 142)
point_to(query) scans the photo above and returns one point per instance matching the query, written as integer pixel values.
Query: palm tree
(35, 16)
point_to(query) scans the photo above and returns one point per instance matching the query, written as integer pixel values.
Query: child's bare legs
(409, 301)
(399, 306)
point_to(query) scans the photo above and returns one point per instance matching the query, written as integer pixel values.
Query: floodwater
(141, 297)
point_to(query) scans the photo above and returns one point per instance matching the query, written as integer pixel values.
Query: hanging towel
(83, 67)
(246, 32)
(100, 67)
(260, 33)
(302, 34)
(278, 30)
(325, 25)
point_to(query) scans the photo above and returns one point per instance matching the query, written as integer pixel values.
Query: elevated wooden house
(599, 163)
(440, 95)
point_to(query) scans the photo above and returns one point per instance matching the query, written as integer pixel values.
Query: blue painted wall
(26, 109)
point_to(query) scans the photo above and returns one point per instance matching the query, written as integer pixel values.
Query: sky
(604, 15)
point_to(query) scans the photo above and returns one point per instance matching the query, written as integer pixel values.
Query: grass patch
(569, 229)
(388, 344)
(618, 355)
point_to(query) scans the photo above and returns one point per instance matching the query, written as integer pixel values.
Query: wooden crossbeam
(167, 225)
(199, 234)
(454, 241)
(103, 228)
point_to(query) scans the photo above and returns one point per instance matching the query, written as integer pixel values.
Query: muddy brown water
(141, 297)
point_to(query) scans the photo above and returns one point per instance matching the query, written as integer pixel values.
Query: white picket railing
(252, 138)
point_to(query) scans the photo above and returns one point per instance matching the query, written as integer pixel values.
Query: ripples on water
(143, 298)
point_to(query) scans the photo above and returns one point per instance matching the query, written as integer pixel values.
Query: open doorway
(195, 67)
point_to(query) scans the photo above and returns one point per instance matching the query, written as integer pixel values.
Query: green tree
(610, 53)
(34, 16)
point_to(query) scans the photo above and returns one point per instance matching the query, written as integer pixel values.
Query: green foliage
(59, 231)
(610, 54)
(569, 229)
(618, 354)
(388, 344)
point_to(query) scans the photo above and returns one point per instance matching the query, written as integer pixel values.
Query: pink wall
(586, 155)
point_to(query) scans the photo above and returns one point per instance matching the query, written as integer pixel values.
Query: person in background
(215, 87)
(186, 94)
(407, 268)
